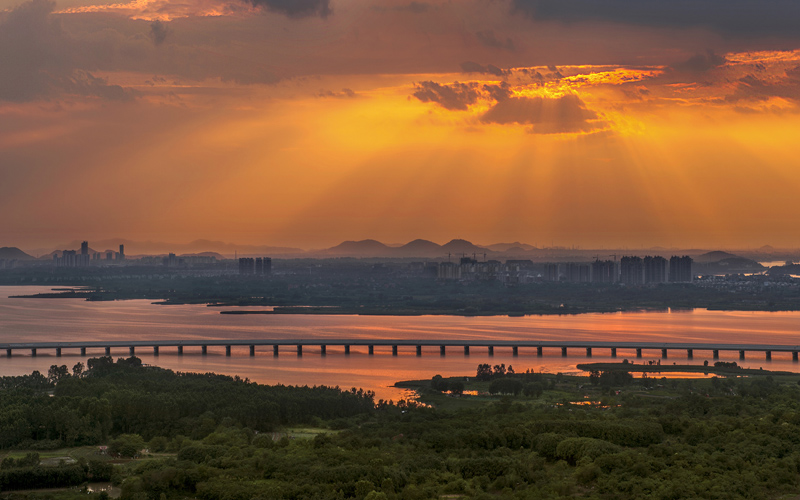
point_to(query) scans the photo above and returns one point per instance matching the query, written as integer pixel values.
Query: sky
(590, 123)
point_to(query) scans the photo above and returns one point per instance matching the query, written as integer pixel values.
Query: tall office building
(85, 248)
(121, 255)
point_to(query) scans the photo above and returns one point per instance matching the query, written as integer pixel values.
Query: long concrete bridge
(297, 345)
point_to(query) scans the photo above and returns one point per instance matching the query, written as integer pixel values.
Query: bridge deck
(700, 346)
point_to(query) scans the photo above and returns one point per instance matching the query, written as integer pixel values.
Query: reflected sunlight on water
(75, 319)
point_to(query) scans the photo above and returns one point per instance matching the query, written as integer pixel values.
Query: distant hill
(505, 247)
(463, 247)
(419, 248)
(14, 253)
(363, 248)
(714, 256)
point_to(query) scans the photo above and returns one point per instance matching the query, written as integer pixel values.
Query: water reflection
(75, 319)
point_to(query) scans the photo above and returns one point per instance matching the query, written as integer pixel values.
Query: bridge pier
(180, 350)
(394, 350)
(689, 353)
(419, 350)
(155, 350)
(371, 349)
(227, 350)
(108, 351)
(539, 351)
(83, 351)
(741, 355)
(515, 350)
(715, 354)
(466, 350)
(252, 350)
(563, 352)
(33, 352)
(323, 350)
(132, 350)
(794, 356)
(663, 353)
(769, 355)
(299, 350)
(638, 352)
(491, 350)
(613, 352)
(204, 350)
(275, 350)
(8, 353)
(58, 352)
(588, 352)
(441, 350)
(347, 349)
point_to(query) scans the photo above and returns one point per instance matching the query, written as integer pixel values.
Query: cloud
(700, 63)
(413, 7)
(36, 58)
(456, 96)
(295, 8)
(344, 94)
(158, 31)
(742, 18)
(564, 114)
(753, 88)
(489, 39)
(473, 67)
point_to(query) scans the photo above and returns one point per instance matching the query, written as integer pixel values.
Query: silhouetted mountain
(505, 247)
(715, 256)
(456, 247)
(363, 248)
(419, 248)
(14, 253)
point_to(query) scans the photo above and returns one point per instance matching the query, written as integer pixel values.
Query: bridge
(297, 346)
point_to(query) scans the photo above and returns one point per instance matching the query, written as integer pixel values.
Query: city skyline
(308, 123)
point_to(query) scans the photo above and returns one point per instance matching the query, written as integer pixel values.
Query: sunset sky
(308, 122)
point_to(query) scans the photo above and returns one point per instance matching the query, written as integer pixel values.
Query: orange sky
(255, 123)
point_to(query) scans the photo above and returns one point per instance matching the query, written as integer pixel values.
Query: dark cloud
(295, 8)
(344, 94)
(158, 32)
(413, 7)
(700, 63)
(473, 67)
(729, 17)
(456, 96)
(489, 39)
(36, 58)
(547, 116)
(752, 88)
(499, 92)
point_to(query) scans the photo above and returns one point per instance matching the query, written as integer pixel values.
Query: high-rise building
(680, 269)
(121, 255)
(631, 270)
(551, 272)
(604, 271)
(655, 269)
(85, 248)
(247, 265)
(576, 273)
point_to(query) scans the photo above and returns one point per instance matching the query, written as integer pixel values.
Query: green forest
(497, 433)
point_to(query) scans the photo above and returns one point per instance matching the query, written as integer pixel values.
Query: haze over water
(75, 319)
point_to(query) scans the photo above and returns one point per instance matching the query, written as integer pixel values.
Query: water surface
(76, 319)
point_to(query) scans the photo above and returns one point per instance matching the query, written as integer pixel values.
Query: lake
(76, 319)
